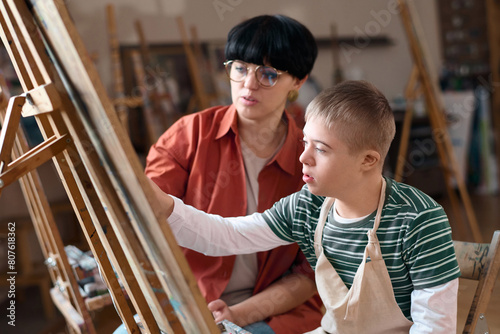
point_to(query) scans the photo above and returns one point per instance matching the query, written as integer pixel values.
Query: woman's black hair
(278, 40)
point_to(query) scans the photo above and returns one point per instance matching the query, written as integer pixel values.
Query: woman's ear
(299, 82)
(371, 160)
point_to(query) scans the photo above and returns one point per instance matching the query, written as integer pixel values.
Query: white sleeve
(214, 235)
(434, 310)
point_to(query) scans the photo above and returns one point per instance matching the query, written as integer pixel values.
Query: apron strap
(325, 209)
(380, 206)
(318, 233)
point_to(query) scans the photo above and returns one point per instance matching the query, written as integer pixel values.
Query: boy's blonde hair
(359, 114)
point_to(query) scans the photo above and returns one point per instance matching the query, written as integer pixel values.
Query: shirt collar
(286, 158)
(229, 121)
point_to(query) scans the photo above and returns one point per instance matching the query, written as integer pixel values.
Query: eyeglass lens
(265, 75)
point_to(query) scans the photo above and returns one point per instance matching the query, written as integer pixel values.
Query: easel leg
(410, 96)
(435, 111)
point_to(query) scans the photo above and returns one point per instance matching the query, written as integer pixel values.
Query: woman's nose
(251, 81)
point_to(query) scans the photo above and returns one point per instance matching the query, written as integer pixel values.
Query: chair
(479, 262)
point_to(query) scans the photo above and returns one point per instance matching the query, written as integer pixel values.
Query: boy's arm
(214, 235)
(434, 310)
(434, 272)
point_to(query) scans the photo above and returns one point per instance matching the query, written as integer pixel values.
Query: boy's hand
(162, 202)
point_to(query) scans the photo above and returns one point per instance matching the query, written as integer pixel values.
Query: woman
(239, 159)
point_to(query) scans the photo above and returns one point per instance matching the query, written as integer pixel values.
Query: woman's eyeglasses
(266, 76)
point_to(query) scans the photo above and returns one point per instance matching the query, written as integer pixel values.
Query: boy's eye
(317, 149)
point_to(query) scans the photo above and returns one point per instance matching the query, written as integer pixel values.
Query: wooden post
(146, 57)
(158, 107)
(154, 125)
(200, 100)
(337, 69)
(411, 94)
(206, 71)
(121, 101)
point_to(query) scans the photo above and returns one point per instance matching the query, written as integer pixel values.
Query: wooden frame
(479, 262)
(157, 75)
(164, 60)
(100, 170)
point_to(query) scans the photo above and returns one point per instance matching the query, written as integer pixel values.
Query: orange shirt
(199, 160)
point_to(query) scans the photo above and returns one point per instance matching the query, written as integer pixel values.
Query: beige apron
(369, 307)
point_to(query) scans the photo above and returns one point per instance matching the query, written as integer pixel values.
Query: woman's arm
(278, 298)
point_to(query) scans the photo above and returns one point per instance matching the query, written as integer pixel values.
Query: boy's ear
(371, 159)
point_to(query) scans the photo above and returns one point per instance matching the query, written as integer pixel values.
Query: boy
(382, 250)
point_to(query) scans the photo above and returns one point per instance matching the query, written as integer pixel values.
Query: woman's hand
(221, 311)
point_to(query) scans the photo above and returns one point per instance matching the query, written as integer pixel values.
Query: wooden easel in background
(201, 99)
(65, 290)
(493, 12)
(423, 82)
(207, 72)
(100, 171)
(158, 107)
(337, 68)
(121, 102)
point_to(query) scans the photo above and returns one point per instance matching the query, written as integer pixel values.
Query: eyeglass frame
(278, 72)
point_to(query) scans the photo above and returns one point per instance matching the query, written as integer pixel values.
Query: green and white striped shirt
(414, 235)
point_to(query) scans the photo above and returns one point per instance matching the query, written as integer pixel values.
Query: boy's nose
(304, 158)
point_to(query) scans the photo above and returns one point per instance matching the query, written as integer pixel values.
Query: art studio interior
(356, 142)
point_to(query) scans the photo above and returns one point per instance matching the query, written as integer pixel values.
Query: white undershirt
(245, 269)
(342, 220)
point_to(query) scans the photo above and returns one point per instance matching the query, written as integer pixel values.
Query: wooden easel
(479, 262)
(65, 285)
(158, 107)
(493, 12)
(337, 69)
(207, 72)
(201, 100)
(100, 171)
(121, 102)
(422, 82)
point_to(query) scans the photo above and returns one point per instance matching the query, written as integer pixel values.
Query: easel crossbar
(33, 159)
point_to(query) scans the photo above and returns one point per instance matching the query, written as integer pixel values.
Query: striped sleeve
(280, 217)
(428, 249)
